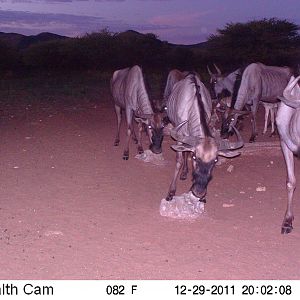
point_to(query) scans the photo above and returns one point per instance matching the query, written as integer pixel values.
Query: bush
(270, 41)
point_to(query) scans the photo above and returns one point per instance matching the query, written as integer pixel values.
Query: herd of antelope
(188, 106)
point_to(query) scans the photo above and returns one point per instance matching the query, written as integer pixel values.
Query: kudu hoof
(126, 155)
(170, 196)
(252, 139)
(140, 150)
(286, 227)
(117, 141)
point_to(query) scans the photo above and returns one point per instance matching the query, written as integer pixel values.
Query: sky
(175, 21)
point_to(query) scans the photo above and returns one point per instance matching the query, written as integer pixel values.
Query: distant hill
(130, 34)
(134, 34)
(12, 39)
(21, 41)
(201, 45)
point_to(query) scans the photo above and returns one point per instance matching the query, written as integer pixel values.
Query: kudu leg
(118, 114)
(267, 111)
(291, 184)
(129, 115)
(172, 188)
(134, 138)
(253, 123)
(139, 140)
(185, 168)
(272, 113)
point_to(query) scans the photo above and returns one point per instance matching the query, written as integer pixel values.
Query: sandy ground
(71, 208)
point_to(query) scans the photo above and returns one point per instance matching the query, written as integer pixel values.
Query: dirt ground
(71, 208)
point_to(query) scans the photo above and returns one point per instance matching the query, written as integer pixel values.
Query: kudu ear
(218, 70)
(209, 71)
(182, 148)
(142, 120)
(228, 154)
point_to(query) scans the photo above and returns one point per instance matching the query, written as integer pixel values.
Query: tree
(270, 41)
(9, 57)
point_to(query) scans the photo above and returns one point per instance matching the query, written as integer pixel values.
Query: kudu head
(216, 81)
(291, 94)
(155, 124)
(205, 152)
(229, 121)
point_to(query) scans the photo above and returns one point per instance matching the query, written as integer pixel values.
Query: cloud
(185, 36)
(73, 25)
(37, 1)
(58, 1)
(48, 1)
(63, 1)
(185, 28)
(110, 0)
(179, 19)
(70, 25)
(65, 24)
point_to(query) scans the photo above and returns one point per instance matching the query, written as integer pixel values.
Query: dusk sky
(175, 21)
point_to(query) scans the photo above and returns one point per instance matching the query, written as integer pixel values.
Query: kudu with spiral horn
(189, 100)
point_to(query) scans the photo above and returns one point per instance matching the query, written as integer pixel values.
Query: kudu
(189, 109)
(130, 95)
(259, 83)
(288, 125)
